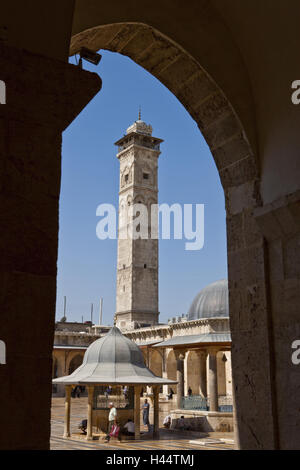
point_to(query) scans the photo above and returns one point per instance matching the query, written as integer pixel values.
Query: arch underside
(189, 82)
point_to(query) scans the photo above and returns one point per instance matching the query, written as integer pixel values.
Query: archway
(192, 373)
(156, 363)
(171, 367)
(239, 174)
(74, 363)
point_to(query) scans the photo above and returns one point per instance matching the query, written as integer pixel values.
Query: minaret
(137, 267)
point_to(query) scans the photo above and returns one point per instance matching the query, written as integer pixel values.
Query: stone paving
(168, 439)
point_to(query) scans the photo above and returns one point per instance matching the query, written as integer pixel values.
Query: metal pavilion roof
(113, 359)
(195, 339)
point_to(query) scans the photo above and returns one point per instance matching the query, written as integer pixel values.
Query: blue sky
(90, 176)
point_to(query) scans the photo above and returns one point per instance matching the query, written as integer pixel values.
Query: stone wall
(43, 97)
(203, 421)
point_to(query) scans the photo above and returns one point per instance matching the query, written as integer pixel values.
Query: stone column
(89, 434)
(202, 356)
(137, 411)
(185, 375)
(212, 379)
(156, 410)
(147, 357)
(68, 390)
(180, 354)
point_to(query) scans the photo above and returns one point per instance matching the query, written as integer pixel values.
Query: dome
(113, 359)
(113, 348)
(210, 302)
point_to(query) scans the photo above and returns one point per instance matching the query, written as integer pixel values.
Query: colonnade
(208, 384)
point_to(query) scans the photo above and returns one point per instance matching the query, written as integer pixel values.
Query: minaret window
(145, 176)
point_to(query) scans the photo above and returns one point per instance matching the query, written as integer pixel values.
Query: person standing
(190, 392)
(146, 410)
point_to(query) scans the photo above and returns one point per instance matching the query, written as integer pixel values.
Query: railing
(102, 399)
(197, 402)
(194, 402)
(225, 404)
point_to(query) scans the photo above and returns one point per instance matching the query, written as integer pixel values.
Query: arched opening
(221, 368)
(156, 363)
(171, 368)
(215, 118)
(192, 373)
(74, 363)
(263, 299)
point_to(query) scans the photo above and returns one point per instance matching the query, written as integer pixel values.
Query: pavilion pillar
(180, 354)
(212, 379)
(137, 415)
(202, 355)
(156, 410)
(89, 433)
(68, 389)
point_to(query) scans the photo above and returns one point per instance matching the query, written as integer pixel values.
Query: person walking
(146, 410)
(112, 420)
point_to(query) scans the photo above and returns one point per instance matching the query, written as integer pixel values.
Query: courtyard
(168, 439)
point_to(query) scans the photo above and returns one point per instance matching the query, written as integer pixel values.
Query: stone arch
(192, 372)
(156, 364)
(228, 132)
(74, 362)
(191, 84)
(58, 370)
(58, 363)
(221, 368)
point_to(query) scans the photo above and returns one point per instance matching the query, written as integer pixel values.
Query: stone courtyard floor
(168, 439)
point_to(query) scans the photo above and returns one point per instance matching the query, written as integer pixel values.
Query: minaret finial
(140, 113)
